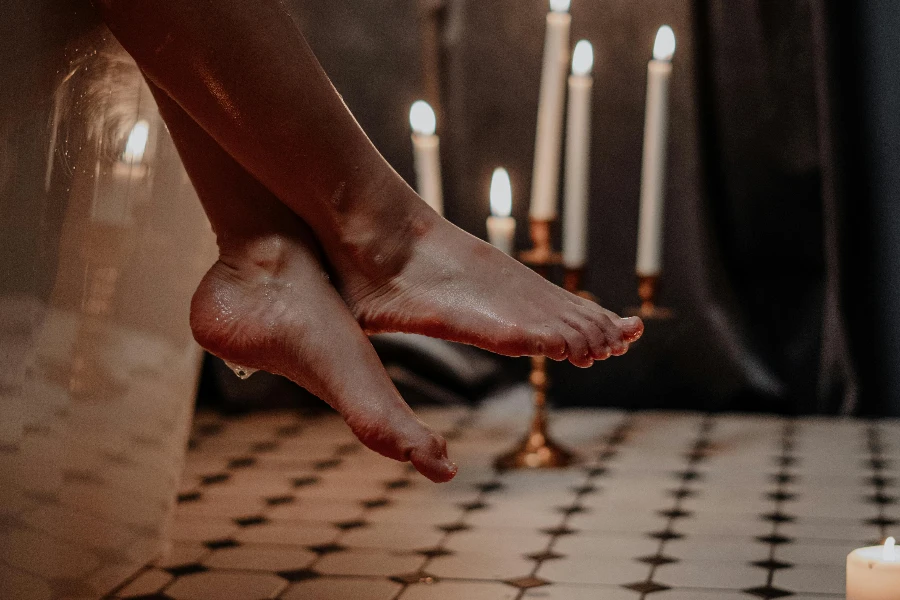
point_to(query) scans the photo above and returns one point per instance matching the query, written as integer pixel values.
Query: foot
(436, 280)
(267, 304)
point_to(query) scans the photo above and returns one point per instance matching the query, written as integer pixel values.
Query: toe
(632, 328)
(579, 352)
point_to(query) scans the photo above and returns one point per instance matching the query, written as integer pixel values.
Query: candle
(426, 153)
(874, 573)
(500, 225)
(578, 150)
(656, 135)
(548, 139)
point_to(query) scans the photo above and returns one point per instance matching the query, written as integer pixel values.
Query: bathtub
(102, 242)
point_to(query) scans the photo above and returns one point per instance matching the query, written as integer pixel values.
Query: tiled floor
(665, 506)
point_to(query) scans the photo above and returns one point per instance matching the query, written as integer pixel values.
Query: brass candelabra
(537, 450)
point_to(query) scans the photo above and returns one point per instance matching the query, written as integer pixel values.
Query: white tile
(181, 553)
(815, 580)
(336, 588)
(214, 585)
(700, 595)
(593, 570)
(369, 563)
(189, 529)
(561, 591)
(147, 583)
(721, 550)
(472, 565)
(490, 540)
(606, 546)
(812, 554)
(295, 533)
(260, 558)
(719, 576)
(317, 509)
(393, 536)
(452, 590)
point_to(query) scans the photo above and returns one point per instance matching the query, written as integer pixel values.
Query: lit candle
(548, 140)
(656, 136)
(426, 152)
(874, 573)
(500, 225)
(578, 151)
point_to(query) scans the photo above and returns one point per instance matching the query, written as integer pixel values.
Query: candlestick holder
(537, 450)
(648, 291)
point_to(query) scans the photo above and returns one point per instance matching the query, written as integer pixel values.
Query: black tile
(473, 506)
(878, 464)
(453, 527)
(434, 552)
(597, 471)
(348, 448)
(526, 583)
(489, 487)
(188, 497)
(214, 478)
(288, 431)
(783, 478)
(262, 447)
(398, 484)
(665, 536)
(882, 522)
(647, 587)
(546, 555)
(777, 517)
(305, 481)
(585, 490)
(658, 560)
(772, 565)
(683, 493)
(559, 531)
(882, 499)
(571, 510)
(775, 539)
(299, 575)
(279, 500)
(219, 544)
(325, 465)
(251, 521)
(186, 569)
(348, 525)
(241, 462)
(781, 496)
(675, 513)
(768, 592)
(327, 548)
(376, 503)
(208, 429)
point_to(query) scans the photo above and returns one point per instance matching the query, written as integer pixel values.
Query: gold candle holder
(537, 450)
(648, 291)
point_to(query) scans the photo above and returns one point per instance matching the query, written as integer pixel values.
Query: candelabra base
(536, 451)
(648, 287)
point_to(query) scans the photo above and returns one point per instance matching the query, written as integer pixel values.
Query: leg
(267, 303)
(245, 74)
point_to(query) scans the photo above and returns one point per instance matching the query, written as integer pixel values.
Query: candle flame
(664, 48)
(137, 142)
(890, 550)
(501, 193)
(582, 58)
(422, 119)
(560, 6)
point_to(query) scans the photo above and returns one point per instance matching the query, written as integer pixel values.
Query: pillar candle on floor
(500, 225)
(656, 136)
(426, 154)
(578, 151)
(548, 138)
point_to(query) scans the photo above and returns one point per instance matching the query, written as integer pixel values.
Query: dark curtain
(768, 265)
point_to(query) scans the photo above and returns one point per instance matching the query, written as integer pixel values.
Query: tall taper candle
(578, 152)
(656, 136)
(548, 139)
(500, 225)
(427, 156)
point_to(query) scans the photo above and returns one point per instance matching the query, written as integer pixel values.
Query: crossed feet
(269, 302)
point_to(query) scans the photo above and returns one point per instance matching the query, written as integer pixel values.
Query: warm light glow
(560, 6)
(582, 58)
(664, 48)
(890, 550)
(501, 193)
(422, 119)
(137, 142)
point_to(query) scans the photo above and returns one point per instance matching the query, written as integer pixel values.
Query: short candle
(874, 573)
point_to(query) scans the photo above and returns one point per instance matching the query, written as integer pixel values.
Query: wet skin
(267, 303)
(244, 73)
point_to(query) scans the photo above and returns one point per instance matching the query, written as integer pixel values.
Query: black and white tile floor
(667, 506)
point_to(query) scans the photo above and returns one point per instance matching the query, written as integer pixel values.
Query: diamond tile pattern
(670, 506)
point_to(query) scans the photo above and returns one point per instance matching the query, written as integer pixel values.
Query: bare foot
(268, 304)
(436, 280)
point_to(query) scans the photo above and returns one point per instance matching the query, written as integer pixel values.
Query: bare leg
(245, 74)
(267, 303)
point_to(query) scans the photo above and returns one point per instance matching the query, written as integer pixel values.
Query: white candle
(426, 154)
(548, 139)
(656, 136)
(578, 152)
(874, 573)
(500, 225)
